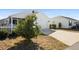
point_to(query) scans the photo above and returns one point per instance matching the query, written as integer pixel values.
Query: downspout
(11, 24)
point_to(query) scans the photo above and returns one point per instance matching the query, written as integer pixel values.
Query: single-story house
(11, 21)
(63, 22)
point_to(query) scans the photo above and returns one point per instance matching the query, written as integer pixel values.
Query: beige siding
(63, 21)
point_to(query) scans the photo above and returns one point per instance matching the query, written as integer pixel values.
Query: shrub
(75, 27)
(27, 28)
(3, 34)
(12, 35)
(52, 26)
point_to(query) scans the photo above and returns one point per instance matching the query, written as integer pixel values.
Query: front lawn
(49, 43)
(41, 42)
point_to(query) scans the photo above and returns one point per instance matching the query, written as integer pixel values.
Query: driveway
(73, 47)
(47, 31)
(67, 37)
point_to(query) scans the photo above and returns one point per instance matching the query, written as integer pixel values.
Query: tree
(27, 28)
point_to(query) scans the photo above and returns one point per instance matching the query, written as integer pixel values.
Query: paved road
(66, 37)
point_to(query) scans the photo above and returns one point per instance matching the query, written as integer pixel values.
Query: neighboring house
(11, 21)
(63, 22)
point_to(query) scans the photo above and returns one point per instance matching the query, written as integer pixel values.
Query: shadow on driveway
(47, 31)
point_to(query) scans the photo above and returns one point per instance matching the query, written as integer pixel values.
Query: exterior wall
(12, 26)
(42, 20)
(74, 22)
(4, 24)
(63, 21)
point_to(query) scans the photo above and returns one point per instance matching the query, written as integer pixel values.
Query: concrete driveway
(73, 47)
(67, 37)
(47, 31)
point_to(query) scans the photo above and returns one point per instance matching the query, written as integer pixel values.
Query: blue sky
(73, 13)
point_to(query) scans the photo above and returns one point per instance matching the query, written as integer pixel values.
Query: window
(15, 21)
(70, 23)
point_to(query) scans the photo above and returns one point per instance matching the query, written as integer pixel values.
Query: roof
(3, 19)
(21, 15)
(68, 18)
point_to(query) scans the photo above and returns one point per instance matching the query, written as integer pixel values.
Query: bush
(27, 28)
(53, 26)
(12, 35)
(75, 27)
(3, 35)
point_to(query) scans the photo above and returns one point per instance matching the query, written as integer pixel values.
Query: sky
(73, 13)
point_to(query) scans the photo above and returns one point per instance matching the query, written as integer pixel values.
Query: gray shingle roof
(69, 18)
(21, 15)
